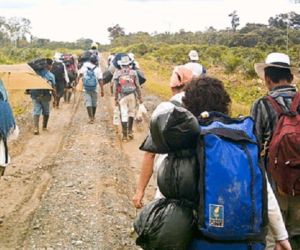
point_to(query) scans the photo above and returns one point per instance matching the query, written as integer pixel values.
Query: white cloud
(68, 20)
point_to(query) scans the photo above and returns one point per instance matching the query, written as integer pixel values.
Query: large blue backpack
(232, 186)
(90, 80)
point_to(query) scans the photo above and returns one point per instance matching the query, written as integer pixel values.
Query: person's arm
(101, 87)
(145, 175)
(276, 223)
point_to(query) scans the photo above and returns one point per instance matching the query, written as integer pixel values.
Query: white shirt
(97, 71)
(196, 68)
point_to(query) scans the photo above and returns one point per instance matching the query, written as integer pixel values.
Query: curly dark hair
(206, 94)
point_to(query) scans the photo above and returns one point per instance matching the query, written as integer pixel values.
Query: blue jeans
(40, 107)
(91, 98)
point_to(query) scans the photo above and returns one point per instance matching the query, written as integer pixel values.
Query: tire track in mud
(88, 204)
(31, 184)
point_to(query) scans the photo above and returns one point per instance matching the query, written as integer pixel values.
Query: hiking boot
(124, 138)
(94, 112)
(124, 131)
(130, 125)
(45, 122)
(90, 113)
(2, 170)
(36, 119)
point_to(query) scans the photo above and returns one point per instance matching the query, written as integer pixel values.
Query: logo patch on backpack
(216, 215)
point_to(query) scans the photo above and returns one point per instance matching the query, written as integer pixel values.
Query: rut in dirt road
(88, 203)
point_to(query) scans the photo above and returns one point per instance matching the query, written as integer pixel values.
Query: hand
(137, 199)
(116, 103)
(141, 101)
(283, 245)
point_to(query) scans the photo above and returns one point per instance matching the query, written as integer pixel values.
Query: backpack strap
(275, 105)
(295, 103)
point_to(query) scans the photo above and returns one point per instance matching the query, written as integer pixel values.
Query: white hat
(125, 60)
(57, 56)
(193, 55)
(278, 60)
(131, 56)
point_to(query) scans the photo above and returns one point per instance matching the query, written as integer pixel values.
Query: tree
(115, 31)
(235, 20)
(17, 29)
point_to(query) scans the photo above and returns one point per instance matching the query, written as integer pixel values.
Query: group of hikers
(206, 196)
(222, 182)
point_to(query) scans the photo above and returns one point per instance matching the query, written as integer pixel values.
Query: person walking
(41, 97)
(282, 100)
(194, 65)
(92, 81)
(8, 128)
(127, 90)
(61, 77)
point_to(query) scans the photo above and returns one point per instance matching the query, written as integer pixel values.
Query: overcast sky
(68, 20)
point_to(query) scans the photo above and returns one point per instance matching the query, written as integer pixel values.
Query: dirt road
(71, 187)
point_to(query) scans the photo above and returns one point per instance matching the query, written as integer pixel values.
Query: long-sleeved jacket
(266, 117)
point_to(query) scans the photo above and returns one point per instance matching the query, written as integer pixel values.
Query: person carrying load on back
(41, 97)
(8, 128)
(94, 51)
(71, 66)
(61, 77)
(213, 164)
(277, 118)
(92, 81)
(127, 90)
(194, 65)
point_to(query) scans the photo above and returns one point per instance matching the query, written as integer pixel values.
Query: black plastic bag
(178, 176)
(165, 224)
(107, 76)
(141, 76)
(38, 64)
(172, 130)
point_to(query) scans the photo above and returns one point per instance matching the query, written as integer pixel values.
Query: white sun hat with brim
(125, 60)
(278, 60)
(193, 55)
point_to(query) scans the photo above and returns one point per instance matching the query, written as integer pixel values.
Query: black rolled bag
(171, 130)
(107, 76)
(165, 224)
(178, 176)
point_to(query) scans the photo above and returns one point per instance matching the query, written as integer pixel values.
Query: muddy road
(71, 187)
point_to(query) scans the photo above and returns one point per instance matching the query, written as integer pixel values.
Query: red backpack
(284, 150)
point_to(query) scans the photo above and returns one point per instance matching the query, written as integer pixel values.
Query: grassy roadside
(242, 91)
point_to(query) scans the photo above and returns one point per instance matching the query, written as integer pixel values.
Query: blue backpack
(232, 186)
(90, 80)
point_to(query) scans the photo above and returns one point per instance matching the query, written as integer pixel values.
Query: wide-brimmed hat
(278, 60)
(181, 75)
(124, 61)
